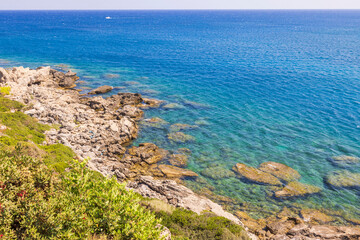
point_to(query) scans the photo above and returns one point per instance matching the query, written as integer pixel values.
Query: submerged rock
(343, 179)
(175, 172)
(255, 175)
(296, 189)
(101, 90)
(280, 171)
(154, 122)
(173, 106)
(217, 172)
(179, 160)
(180, 137)
(111, 76)
(181, 126)
(344, 160)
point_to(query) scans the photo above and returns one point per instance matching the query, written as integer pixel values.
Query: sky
(177, 4)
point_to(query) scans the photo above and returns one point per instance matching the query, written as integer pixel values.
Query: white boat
(108, 18)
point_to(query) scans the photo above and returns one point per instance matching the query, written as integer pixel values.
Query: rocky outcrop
(295, 228)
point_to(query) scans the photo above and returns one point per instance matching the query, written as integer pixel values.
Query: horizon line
(186, 9)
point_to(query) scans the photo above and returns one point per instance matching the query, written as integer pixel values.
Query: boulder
(101, 90)
(180, 137)
(122, 99)
(255, 175)
(280, 171)
(296, 189)
(4, 76)
(175, 172)
(343, 179)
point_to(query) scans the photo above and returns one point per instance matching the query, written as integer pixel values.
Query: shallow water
(277, 86)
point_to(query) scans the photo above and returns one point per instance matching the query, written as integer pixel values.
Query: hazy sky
(179, 4)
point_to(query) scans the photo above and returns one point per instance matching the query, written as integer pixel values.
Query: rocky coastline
(101, 129)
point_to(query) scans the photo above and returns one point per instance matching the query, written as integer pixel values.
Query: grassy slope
(27, 132)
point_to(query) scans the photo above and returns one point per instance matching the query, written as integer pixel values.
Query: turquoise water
(277, 86)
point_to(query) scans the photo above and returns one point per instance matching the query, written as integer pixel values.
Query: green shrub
(22, 127)
(185, 224)
(7, 104)
(37, 203)
(57, 156)
(5, 90)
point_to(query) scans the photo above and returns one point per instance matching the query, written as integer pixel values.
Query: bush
(5, 90)
(185, 224)
(37, 203)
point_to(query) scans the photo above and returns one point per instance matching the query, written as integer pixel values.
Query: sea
(258, 86)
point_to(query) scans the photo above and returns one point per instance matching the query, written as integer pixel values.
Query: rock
(296, 189)
(175, 172)
(180, 137)
(129, 83)
(150, 103)
(343, 179)
(147, 152)
(101, 90)
(180, 126)
(280, 171)
(4, 76)
(255, 175)
(282, 226)
(315, 216)
(122, 99)
(179, 160)
(130, 111)
(173, 106)
(178, 196)
(165, 234)
(217, 172)
(344, 160)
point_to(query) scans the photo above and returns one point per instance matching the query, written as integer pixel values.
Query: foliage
(58, 156)
(5, 90)
(185, 224)
(7, 104)
(37, 203)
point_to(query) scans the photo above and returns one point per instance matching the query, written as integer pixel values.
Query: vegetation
(5, 90)
(37, 203)
(185, 224)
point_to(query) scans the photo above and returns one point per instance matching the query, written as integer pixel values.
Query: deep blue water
(279, 85)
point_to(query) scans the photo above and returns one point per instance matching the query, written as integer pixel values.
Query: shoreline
(99, 128)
